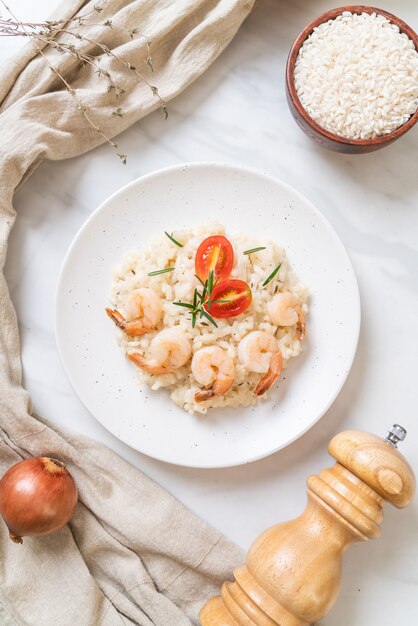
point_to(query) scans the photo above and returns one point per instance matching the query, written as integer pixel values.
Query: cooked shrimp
(143, 311)
(259, 352)
(213, 368)
(168, 351)
(285, 310)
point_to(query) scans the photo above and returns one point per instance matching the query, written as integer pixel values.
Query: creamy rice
(179, 285)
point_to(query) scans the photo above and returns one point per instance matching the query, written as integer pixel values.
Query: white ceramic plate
(179, 197)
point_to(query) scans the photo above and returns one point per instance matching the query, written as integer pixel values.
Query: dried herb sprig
(164, 271)
(272, 275)
(47, 32)
(180, 245)
(254, 250)
(202, 299)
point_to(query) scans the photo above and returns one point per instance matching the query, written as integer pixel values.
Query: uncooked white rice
(179, 285)
(357, 76)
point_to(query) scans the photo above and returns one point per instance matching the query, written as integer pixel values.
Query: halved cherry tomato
(214, 253)
(237, 295)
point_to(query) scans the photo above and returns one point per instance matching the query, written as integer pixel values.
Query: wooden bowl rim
(290, 74)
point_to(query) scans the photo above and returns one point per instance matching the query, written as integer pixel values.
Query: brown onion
(37, 497)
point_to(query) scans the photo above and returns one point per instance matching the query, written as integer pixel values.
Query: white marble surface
(237, 112)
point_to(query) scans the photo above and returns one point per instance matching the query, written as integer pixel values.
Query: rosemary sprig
(164, 271)
(272, 275)
(254, 250)
(202, 300)
(210, 282)
(180, 245)
(200, 280)
(185, 304)
(209, 317)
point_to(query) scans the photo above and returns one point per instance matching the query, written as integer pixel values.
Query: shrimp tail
(220, 387)
(300, 326)
(119, 320)
(133, 329)
(272, 375)
(140, 361)
(205, 394)
(137, 359)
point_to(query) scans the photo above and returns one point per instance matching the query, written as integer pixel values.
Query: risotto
(213, 320)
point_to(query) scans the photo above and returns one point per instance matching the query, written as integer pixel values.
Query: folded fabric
(132, 553)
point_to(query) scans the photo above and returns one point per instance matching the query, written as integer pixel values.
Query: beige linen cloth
(132, 553)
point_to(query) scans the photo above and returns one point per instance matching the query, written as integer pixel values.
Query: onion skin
(37, 496)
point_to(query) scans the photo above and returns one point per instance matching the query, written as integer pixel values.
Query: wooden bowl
(303, 119)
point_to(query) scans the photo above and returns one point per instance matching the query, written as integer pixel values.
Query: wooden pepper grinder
(293, 571)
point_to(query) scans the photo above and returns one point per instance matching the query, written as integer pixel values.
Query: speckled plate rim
(246, 170)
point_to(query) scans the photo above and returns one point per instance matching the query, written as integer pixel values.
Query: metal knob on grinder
(396, 433)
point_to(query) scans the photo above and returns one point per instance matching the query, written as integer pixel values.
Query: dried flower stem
(83, 109)
(45, 32)
(126, 64)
